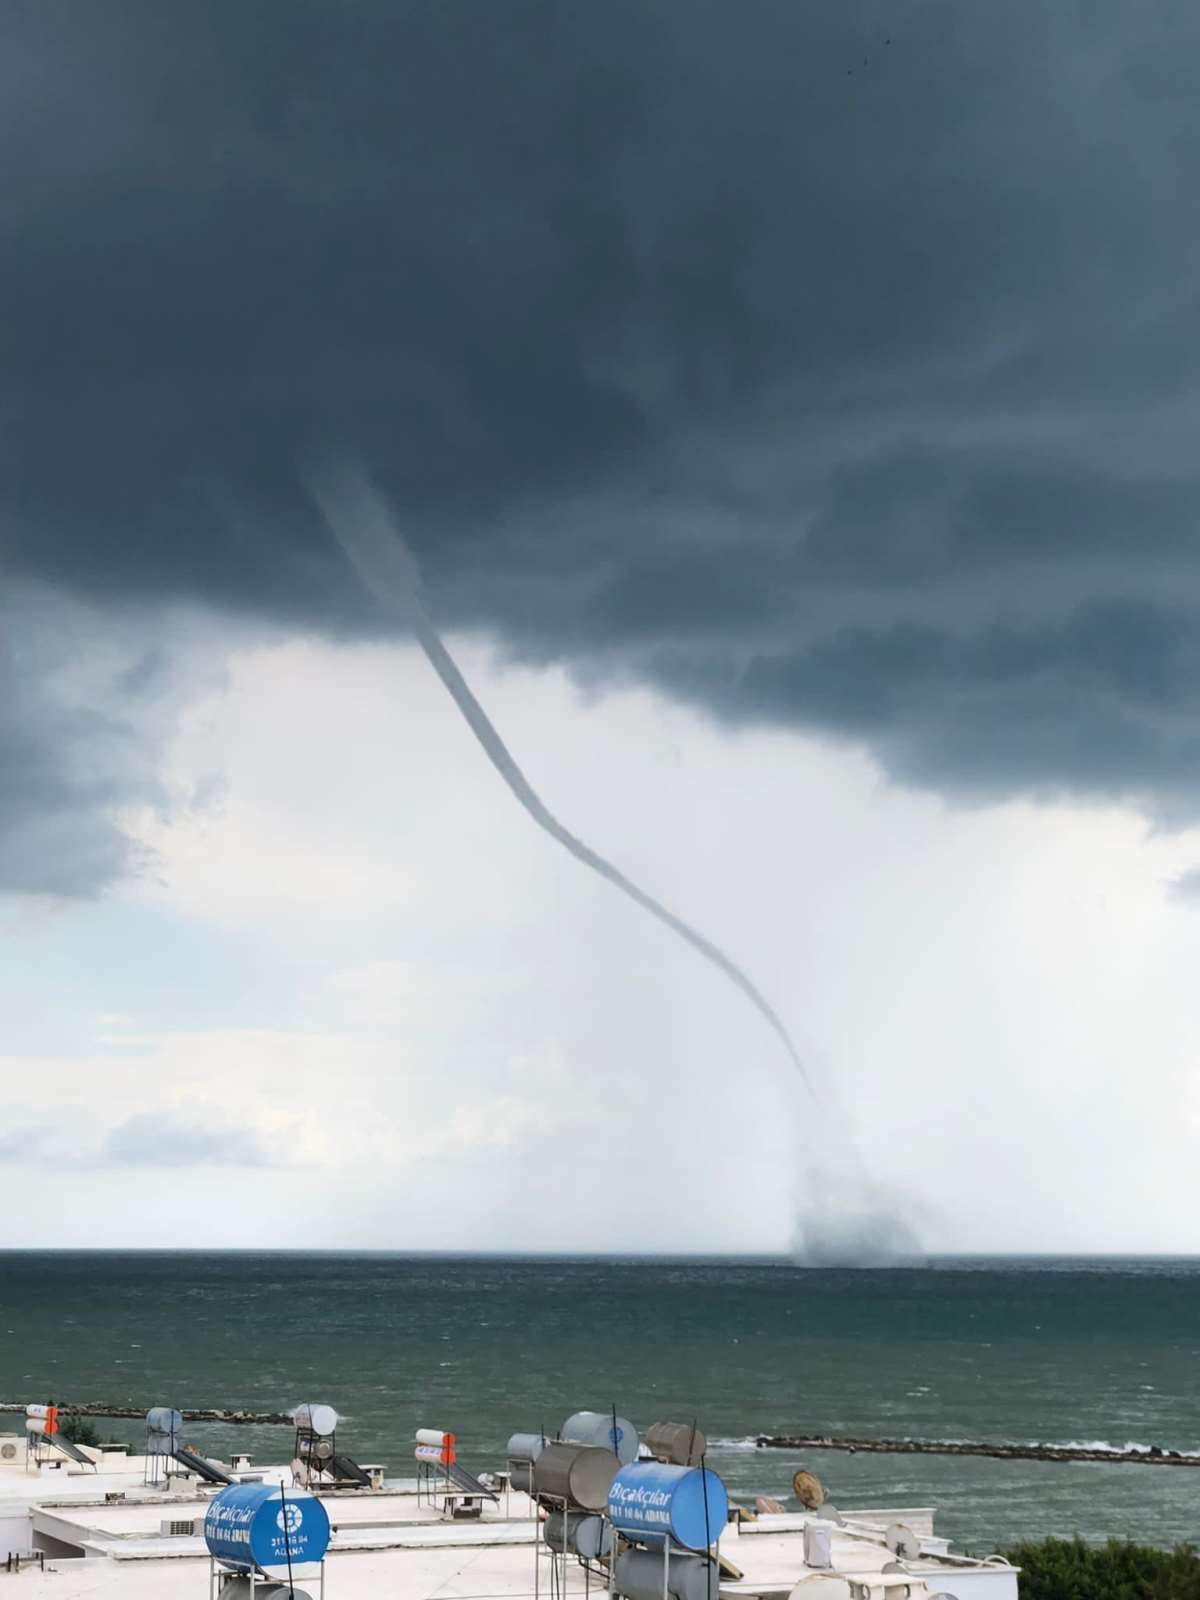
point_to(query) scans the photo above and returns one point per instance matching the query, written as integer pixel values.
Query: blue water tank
(649, 1501)
(256, 1526)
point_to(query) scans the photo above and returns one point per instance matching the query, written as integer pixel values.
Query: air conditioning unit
(182, 1526)
(9, 1449)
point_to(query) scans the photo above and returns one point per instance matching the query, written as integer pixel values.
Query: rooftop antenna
(707, 1529)
(287, 1539)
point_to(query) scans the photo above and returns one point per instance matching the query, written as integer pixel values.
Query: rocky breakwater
(1135, 1455)
(97, 1408)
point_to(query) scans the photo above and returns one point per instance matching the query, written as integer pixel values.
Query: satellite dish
(820, 1587)
(902, 1542)
(830, 1513)
(808, 1489)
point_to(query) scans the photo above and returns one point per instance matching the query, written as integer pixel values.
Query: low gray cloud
(68, 764)
(150, 1139)
(89, 699)
(21, 1144)
(1186, 887)
(822, 366)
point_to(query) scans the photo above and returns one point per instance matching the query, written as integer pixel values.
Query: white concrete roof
(384, 1542)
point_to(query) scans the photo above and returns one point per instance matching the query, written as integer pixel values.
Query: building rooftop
(149, 1543)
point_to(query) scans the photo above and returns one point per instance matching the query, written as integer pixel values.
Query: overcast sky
(793, 411)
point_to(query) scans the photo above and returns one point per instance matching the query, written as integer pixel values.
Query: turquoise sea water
(1039, 1349)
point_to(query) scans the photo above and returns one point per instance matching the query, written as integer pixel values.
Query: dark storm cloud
(830, 366)
(88, 703)
(67, 770)
(59, 833)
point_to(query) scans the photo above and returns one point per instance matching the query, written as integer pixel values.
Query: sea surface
(996, 1349)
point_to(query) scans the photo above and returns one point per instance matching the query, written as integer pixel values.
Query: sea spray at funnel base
(363, 526)
(845, 1214)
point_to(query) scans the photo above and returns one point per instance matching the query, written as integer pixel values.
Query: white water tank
(678, 1443)
(249, 1589)
(318, 1419)
(603, 1430)
(818, 1546)
(583, 1532)
(577, 1474)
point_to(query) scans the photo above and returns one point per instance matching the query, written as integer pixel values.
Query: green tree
(79, 1430)
(1069, 1569)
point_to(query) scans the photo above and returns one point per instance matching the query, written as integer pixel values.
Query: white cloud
(1000, 998)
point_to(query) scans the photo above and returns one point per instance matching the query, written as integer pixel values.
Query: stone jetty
(1151, 1456)
(96, 1408)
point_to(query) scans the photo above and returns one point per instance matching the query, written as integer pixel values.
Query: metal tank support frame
(509, 1490)
(436, 1476)
(36, 1454)
(426, 1489)
(220, 1576)
(558, 1558)
(712, 1556)
(314, 1450)
(50, 1450)
(513, 1464)
(503, 1484)
(160, 1449)
(558, 1574)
